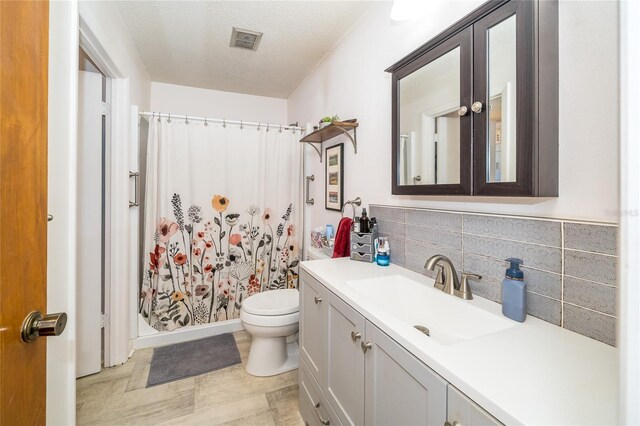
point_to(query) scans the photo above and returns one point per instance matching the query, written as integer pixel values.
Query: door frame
(116, 245)
(629, 215)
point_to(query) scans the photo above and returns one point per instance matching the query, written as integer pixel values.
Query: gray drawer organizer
(362, 245)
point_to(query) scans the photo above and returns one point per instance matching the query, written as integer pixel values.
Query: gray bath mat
(187, 359)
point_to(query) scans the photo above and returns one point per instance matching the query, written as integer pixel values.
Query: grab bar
(308, 200)
(136, 199)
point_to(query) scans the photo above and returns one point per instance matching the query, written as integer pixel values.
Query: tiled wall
(569, 267)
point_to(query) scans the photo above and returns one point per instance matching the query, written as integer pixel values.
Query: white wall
(352, 83)
(104, 21)
(170, 98)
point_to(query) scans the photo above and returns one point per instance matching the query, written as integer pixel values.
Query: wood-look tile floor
(230, 396)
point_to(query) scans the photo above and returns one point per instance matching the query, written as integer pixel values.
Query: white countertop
(534, 373)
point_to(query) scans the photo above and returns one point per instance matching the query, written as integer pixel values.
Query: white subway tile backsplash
(571, 278)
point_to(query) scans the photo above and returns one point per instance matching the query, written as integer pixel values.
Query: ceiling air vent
(245, 38)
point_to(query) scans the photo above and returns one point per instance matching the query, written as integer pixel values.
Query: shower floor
(117, 396)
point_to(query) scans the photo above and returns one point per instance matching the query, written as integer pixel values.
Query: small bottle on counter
(514, 292)
(364, 221)
(382, 255)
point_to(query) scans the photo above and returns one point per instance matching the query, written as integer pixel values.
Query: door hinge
(104, 320)
(106, 108)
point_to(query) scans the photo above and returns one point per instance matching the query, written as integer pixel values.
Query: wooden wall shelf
(334, 129)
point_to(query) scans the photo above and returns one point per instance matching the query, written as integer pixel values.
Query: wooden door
(24, 29)
(313, 326)
(399, 388)
(345, 362)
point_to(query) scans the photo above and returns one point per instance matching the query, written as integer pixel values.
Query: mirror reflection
(429, 143)
(501, 114)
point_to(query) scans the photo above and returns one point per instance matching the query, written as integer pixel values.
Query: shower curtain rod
(224, 121)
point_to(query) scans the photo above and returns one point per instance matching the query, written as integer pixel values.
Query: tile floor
(117, 396)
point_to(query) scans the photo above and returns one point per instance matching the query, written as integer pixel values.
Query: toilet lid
(272, 302)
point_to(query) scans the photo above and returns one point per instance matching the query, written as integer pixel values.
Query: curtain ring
(169, 119)
(280, 131)
(159, 118)
(205, 122)
(258, 126)
(224, 123)
(186, 120)
(268, 127)
(241, 125)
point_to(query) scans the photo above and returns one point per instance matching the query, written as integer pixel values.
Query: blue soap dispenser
(514, 292)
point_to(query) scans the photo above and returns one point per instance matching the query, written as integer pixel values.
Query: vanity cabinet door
(313, 326)
(345, 362)
(399, 388)
(466, 412)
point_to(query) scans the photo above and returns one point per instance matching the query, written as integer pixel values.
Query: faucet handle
(439, 277)
(465, 290)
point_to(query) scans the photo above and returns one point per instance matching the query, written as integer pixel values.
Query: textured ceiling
(187, 42)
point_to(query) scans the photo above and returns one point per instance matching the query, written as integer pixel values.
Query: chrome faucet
(447, 277)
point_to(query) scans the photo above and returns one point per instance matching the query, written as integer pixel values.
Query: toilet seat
(272, 303)
(269, 320)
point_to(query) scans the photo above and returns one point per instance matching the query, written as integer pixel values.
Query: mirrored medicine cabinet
(475, 109)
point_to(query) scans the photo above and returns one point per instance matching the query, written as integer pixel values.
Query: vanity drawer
(361, 248)
(362, 257)
(361, 238)
(314, 408)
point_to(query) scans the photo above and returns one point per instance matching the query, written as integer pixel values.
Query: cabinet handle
(365, 346)
(323, 421)
(476, 107)
(317, 299)
(462, 111)
(355, 335)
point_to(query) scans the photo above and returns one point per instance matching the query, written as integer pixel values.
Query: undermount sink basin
(449, 320)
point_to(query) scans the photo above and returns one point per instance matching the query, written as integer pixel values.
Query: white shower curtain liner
(223, 215)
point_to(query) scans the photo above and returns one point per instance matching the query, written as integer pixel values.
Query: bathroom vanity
(363, 361)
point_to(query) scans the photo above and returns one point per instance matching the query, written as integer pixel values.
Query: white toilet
(270, 317)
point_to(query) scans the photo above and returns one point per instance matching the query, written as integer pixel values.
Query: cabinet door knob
(462, 111)
(477, 107)
(365, 346)
(317, 299)
(355, 335)
(323, 421)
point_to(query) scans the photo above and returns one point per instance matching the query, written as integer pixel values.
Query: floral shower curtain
(222, 219)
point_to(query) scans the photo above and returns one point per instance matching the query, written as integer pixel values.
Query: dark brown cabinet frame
(536, 99)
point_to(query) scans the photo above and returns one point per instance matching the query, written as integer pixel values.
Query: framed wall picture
(334, 177)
